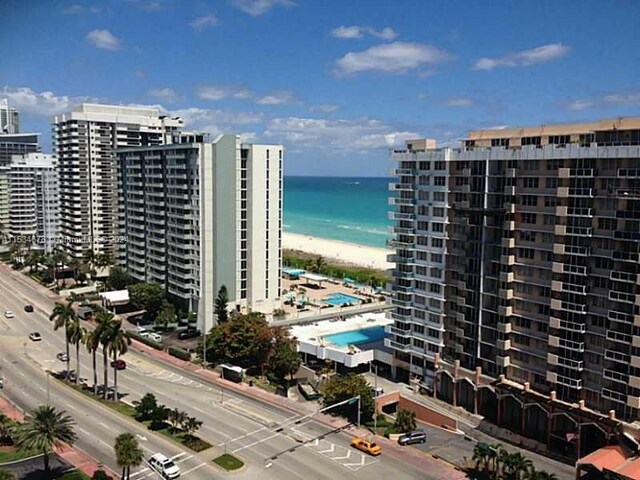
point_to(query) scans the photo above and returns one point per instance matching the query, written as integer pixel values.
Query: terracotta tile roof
(615, 459)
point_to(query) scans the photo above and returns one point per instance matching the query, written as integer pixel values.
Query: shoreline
(338, 250)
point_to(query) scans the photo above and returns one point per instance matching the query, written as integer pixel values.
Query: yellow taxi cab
(366, 446)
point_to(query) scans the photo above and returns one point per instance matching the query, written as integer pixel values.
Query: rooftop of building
(119, 114)
(19, 137)
(614, 458)
(621, 123)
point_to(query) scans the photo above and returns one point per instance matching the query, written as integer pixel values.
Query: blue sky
(336, 81)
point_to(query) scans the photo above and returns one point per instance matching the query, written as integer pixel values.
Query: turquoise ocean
(350, 209)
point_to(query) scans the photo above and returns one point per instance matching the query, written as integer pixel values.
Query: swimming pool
(340, 299)
(354, 337)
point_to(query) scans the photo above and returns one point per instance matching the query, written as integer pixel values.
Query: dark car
(28, 308)
(417, 436)
(189, 334)
(119, 364)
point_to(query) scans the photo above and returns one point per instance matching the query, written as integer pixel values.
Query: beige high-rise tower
(520, 253)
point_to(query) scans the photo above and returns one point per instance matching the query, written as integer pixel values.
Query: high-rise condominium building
(9, 118)
(199, 215)
(84, 142)
(33, 199)
(519, 253)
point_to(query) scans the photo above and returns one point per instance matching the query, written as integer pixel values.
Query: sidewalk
(412, 456)
(73, 455)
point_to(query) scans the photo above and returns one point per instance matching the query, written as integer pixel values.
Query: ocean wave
(362, 229)
(286, 225)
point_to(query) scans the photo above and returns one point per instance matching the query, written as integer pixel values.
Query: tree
(63, 316)
(244, 341)
(145, 407)
(77, 334)
(481, 453)
(118, 344)
(146, 296)
(92, 342)
(106, 325)
(6, 474)
(516, 466)
(59, 258)
(405, 421)
(285, 360)
(540, 475)
(319, 264)
(221, 305)
(118, 279)
(176, 418)
(128, 453)
(43, 430)
(166, 314)
(100, 475)
(6, 430)
(191, 425)
(338, 389)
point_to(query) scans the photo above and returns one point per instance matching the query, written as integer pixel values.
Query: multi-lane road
(239, 424)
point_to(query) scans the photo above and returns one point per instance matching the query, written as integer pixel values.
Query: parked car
(8, 314)
(119, 364)
(63, 357)
(366, 446)
(164, 466)
(189, 334)
(377, 391)
(28, 308)
(154, 336)
(410, 438)
(35, 337)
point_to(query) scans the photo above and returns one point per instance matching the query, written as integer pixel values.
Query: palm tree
(92, 342)
(77, 333)
(63, 315)
(191, 425)
(540, 475)
(481, 456)
(318, 264)
(176, 417)
(58, 258)
(106, 323)
(118, 344)
(516, 465)
(128, 453)
(45, 429)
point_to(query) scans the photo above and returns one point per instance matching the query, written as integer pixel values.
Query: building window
(529, 200)
(530, 182)
(529, 218)
(530, 141)
(439, 181)
(440, 165)
(552, 182)
(438, 196)
(550, 201)
(437, 227)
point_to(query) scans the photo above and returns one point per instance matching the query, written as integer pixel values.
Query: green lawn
(228, 462)
(123, 408)
(75, 475)
(11, 455)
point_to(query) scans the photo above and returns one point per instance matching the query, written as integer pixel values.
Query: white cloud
(167, 94)
(196, 117)
(396, 57)
(79, 9)
(219, 92)
(606, 100)
(201, 23)
(260, 7)
(632, 98)
(40, 103)
(103, 39)
(356, 31)
(282, 97)
(579, 104)
(459, 102)
(524, 58)
(324, 107)
(356, 134)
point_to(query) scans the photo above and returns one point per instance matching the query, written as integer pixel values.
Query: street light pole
(48, 388)
(358, 411)
(375, 394)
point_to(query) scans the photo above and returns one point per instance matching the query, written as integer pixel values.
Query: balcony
(397, 172)
(401, 216)
(401, 201)
(401, 259)
(503, 361)
(615, 376)
(613, 395)
(568, 381)
(580, 212)
(581, 172)
(397, 331)
(622, 297)
(619, 357)
(402, 230)
(570, 345)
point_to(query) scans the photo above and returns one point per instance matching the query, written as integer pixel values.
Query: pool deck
(311, 338)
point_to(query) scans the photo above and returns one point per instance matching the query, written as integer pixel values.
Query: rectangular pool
(354, 337)
(339, 299)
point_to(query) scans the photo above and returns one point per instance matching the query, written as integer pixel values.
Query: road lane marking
(333, 447)
(193, 469)
(342, 458)
(255, 443)
(139, 472)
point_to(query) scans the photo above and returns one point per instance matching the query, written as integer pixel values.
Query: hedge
(145, 340)
(180, 353)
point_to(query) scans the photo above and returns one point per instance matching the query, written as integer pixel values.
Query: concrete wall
(423, 413)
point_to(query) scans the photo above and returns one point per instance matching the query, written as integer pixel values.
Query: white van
(164, 466)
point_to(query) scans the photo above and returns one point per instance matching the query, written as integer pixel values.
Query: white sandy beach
(343, 251)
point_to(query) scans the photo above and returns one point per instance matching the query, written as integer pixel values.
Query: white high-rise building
(32, 185)
(9, 118)
(84, 141)
(199, 215)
